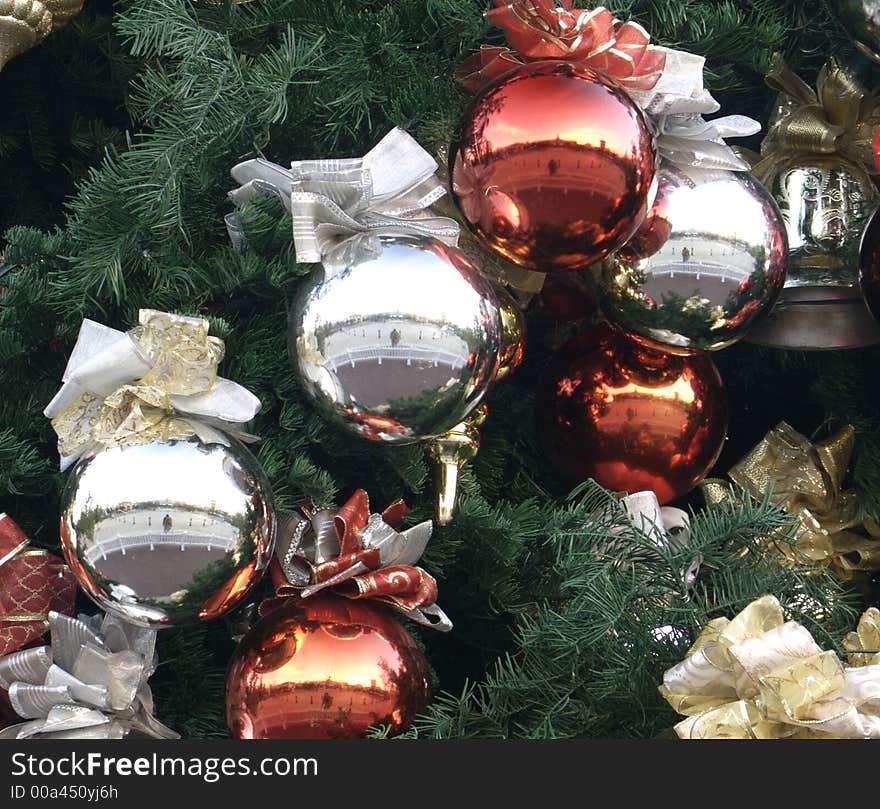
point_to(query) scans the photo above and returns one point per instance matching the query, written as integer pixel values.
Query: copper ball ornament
(631, 417)
(708, 262)
(324, 668)
(554, 167)
(167, 532)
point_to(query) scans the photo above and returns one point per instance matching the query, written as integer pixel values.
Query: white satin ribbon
(90, 683)
(757, 676)
(105, 359)
(676, 106)
(664, 525)
(340, 207)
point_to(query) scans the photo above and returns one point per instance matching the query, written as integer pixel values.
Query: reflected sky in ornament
(158, 472)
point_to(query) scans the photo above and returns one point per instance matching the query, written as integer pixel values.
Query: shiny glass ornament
(555, 166)
(629, 416)
(324, 668)
(861, 18)
(166, 532)
(708, 261)
(825, 202)
(404, 342)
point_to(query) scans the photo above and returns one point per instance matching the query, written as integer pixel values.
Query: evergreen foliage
(116, 140)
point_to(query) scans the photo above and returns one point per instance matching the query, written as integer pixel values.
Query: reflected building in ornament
(168, 532)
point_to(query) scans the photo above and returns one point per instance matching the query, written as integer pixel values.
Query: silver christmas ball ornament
(403, 342)
(168, 532)
(708, 262)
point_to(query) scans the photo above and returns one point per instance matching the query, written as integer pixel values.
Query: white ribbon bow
(340, 207)
(676, 105)
(90, 683)
(104, 359)
(665, 526)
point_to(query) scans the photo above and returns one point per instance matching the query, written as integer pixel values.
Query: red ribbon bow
(369, 558)
(32, 582)
(541, 29)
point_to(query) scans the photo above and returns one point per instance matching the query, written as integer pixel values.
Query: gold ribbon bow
(839, 117)
(126, 387)
(759, 677)
(864, 644)
(806, 479)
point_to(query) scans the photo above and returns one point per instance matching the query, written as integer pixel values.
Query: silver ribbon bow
(677, 104)
(90, 683)
(105, 359)
(340, 207)
(306, 543)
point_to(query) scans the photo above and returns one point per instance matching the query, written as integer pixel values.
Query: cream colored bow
(759, 677)
(157, 381)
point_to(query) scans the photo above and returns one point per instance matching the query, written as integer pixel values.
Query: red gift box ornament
(33, 582)
(358, 555)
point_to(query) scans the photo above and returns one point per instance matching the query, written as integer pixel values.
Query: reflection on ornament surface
(869, 264)
(555, 166)
(168, 531)
(708, 261)
(324, 668)
(825, 202)
(631, 417)
(402, 344)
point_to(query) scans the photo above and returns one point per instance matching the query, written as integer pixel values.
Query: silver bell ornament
(166, 517)
(397, 337)
(817, 161)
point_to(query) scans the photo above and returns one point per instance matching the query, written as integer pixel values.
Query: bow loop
(759, 677)
(340, 208)
(359, 555)
(33, 582)
(541, 29)
(806, 480)
(839, 117)
(90, 683)
(158, 381)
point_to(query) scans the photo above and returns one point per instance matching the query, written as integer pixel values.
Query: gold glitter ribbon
(152, 383)
(806, 480)
(839, 117)
(26, 23)
(759, 677)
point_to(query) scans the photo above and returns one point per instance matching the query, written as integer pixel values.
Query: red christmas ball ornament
(631, 417)
(555, 166)
(324, 668)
